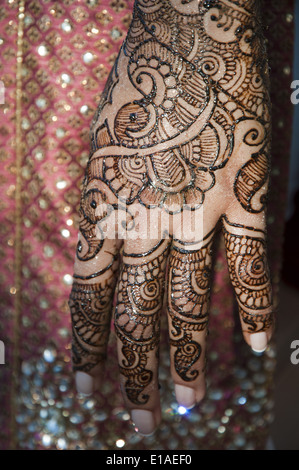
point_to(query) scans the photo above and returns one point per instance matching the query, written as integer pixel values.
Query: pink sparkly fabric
(55, 58)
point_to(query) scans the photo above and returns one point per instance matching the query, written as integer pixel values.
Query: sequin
(68, 279)
(84, 109)
(46, 440)
(120, 443)
(66, 26)
(61, 184)
(41, 103)
(49, 355)
(239, 441)
(60, 132)
(65, 77)
(25, 124)
(65, 233)
(62, 443)
(43, 50)
(182, 410)
(88, 57)
(27, 368)
(242, 400)
(48, 251)
(115, 33)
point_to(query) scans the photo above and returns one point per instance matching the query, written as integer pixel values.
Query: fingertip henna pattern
(90, 307)
(188, 304)
(250, 277)
(137, 318)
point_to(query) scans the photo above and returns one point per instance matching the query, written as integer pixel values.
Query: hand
(180, 144)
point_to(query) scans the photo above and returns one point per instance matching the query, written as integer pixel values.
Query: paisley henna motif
(187, 353)
(199, 81)
(137, 376)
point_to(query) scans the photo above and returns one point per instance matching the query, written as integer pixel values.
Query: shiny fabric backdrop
(55, 57)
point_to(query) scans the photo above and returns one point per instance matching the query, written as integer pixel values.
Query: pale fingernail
(84, 383)
(185, 396)
(144, 421)
(258, 342)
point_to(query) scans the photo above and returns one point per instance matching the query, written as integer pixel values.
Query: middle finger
(137, 325)
(188, 303)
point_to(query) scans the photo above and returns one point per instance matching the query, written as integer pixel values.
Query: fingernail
(258, 342)
(84, 383)
(144, 421)
(185, 396)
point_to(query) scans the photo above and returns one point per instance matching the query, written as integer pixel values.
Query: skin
(180, 146)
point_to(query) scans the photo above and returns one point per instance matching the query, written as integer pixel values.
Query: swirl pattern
(250, 278)
(198, 79)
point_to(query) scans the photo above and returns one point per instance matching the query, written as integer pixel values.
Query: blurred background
(55, 58)
(285, 430)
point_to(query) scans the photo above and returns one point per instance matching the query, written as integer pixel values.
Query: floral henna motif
(249, 273)
(198, 79)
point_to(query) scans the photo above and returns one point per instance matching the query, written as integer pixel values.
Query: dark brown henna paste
(199, 78)
(90, 306)
(188, 303)
(248, 268)
(137, 376)
(187, 96)
(137, 317)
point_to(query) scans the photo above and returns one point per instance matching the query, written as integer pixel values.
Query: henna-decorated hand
(180, 142)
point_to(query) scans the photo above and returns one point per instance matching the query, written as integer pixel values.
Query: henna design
(90, 306)
(192, 99)
(138, 377)
(88, 244)
(249, 180)
(137, 317)
(188, 302)
(186, 355)
(195, 90)
(248, 268)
